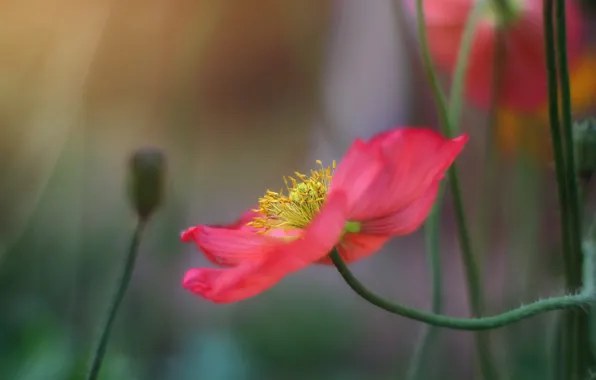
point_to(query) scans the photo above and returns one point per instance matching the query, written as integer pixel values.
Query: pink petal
(251, 277)
(523, 85)
(405, 220)
(229, 247)
(360, 167)
(415, 159)
(353, 247)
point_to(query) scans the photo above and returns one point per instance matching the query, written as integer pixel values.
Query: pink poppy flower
(382, 188)
(524, 81)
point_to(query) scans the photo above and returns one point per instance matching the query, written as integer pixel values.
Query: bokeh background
(237, 94)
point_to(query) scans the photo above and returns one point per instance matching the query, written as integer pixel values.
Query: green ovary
(352, 227)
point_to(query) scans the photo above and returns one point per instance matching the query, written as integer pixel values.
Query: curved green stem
(472, 324)
(100, 350)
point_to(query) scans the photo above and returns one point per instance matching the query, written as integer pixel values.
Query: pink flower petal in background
(524, 83)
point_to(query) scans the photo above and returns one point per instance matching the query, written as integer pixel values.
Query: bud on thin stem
(146, 181)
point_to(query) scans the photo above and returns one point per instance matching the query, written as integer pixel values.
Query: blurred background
(238, 94)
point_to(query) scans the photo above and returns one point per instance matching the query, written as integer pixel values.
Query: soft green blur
(237, 94)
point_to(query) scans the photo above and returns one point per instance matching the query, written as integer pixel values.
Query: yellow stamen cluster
(305, 196)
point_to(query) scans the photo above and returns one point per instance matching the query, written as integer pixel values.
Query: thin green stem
(557, 142)
(473, 278)
(573, 204)
(453, 114)
(434, 263)
(575, 355)
(123, 282)
(461, 67)
(430, 71)
(449, 126)
(486, 206)
(578, 300)
(556, 138)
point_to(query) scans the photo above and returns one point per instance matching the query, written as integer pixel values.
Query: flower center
(305, 197)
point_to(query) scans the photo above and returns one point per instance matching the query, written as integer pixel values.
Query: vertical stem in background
(578, 336)
(432, 225)
(522, 261)
(473, 276)
(415, 371)
(456, 94)
(123, 281)
(556, 138)
(574, 222)
(575, 361)
(557, 144)
(486, 204)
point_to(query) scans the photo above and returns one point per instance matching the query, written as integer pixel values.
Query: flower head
(528, 131)
(382, 188)
(524, 84)
(297, 209)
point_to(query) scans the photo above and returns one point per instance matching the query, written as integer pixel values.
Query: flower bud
(146, 180)
(584, 135)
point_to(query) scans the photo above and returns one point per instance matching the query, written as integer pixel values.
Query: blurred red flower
(382, 188)
(528, 131)
(524, 83)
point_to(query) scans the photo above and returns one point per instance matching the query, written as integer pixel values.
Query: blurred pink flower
(382, 188)
(524, 82)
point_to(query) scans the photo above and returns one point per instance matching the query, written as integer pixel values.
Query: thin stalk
(524, 236)
(571, 301)
(486, 206)
(556, 138)
(434, 263)
(123, 282)
(575, 359)
(557, 142)
(432, 225)
(471, 268)
(461, 65)
(574, 214)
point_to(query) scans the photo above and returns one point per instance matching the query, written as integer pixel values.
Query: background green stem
(473, 277)
(573, 204)
(575, 357)
(432, 225)
(430, 332)
(123, 282)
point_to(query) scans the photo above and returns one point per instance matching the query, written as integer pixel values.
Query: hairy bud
(146, 180)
